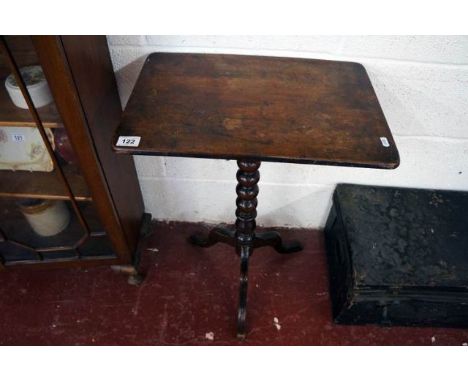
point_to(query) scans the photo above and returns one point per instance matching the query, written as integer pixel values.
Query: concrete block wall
(422, 85)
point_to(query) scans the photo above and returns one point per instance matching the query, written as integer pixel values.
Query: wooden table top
(266, 108)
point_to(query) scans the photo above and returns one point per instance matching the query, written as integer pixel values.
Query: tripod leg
(273, 239)
(216, 235)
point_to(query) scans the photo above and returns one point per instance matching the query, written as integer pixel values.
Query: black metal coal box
(398, 256)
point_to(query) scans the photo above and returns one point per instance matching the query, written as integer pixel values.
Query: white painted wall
(422, 85)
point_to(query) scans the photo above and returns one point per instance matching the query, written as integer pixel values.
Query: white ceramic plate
(22, 148)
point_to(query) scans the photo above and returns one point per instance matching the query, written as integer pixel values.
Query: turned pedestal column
(244, 237)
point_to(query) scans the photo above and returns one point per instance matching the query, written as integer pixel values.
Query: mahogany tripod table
(254, 109)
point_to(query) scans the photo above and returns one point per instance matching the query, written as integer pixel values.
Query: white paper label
(128, 141)
(18, 138)
(385, 142)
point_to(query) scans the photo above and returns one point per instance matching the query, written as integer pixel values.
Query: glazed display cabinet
(65, 198)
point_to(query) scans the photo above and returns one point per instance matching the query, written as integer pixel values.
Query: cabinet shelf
(43, 185)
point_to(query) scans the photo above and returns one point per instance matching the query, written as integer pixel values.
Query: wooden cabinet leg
(134, 277)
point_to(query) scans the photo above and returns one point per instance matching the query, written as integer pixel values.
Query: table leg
(274, 239)
(216, 235)
(246, 212)
(244, 237)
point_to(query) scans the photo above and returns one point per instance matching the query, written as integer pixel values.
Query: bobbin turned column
(244, 237)
(246, 212)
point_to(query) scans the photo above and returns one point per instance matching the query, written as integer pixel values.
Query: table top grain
(265, 108)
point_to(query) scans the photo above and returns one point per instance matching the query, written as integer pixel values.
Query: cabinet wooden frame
(80, 75)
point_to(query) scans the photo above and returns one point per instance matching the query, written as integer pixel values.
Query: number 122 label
(128, 141)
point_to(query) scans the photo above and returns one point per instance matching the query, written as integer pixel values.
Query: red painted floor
(190, 294)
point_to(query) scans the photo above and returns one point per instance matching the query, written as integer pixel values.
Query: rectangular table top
(266, 108)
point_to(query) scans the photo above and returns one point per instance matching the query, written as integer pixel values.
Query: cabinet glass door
(46, 210)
